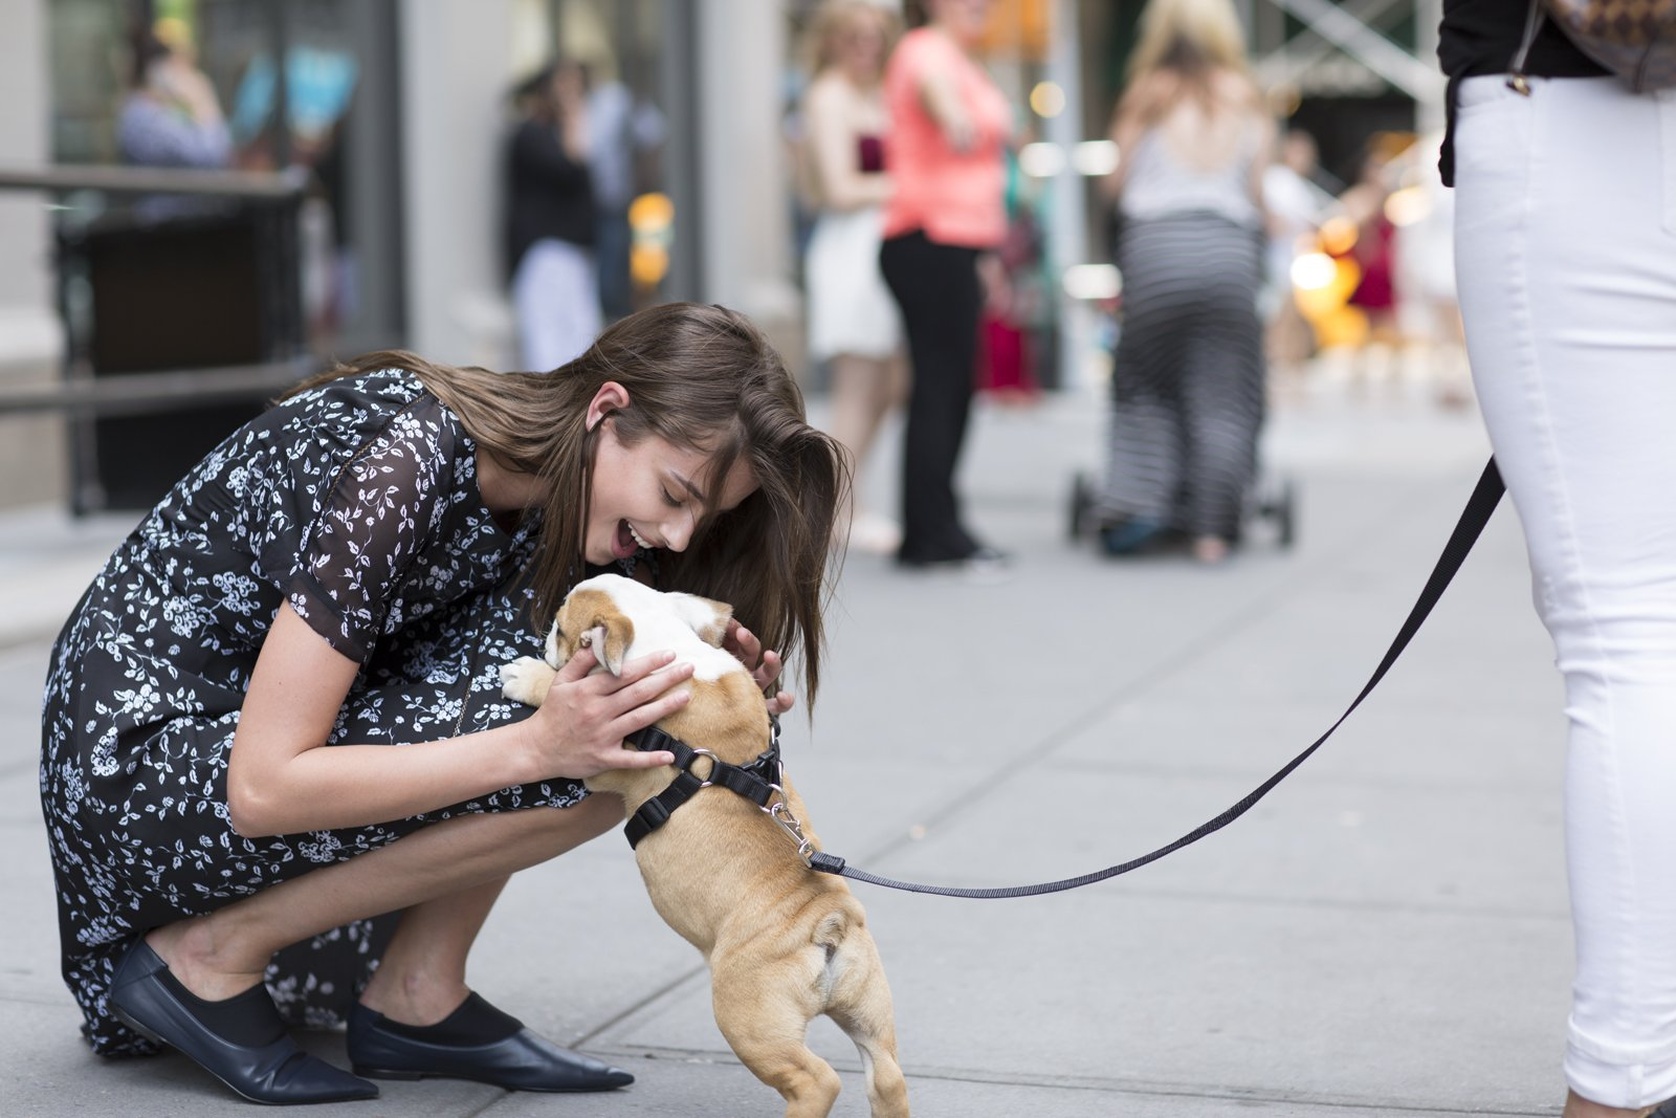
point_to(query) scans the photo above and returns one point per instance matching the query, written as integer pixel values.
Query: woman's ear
(610, 397)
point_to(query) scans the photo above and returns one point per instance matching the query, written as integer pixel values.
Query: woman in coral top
(949, 125)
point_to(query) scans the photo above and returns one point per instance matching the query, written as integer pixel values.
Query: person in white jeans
(555, 298)
(1566, 261)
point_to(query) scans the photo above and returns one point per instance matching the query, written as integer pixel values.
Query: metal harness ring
(715, 762)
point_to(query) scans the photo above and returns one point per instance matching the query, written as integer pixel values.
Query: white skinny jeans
(1566, 257)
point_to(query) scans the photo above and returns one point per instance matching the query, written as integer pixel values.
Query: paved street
(1386, 934)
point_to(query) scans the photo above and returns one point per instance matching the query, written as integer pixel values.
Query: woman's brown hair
(701, 378)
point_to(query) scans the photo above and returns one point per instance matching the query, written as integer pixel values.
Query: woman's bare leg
(421, 977)
(864, 390)
(447, 875)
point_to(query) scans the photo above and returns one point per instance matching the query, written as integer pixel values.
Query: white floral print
(357, 503)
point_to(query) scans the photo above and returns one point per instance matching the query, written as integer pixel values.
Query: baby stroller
(1271, 500)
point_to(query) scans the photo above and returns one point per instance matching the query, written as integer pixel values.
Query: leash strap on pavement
(1477, 513)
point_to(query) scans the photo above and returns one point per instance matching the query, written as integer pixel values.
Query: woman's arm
(833, 144)
(1266, 135)
(940, 97)
(283, 778)
(1125, 132)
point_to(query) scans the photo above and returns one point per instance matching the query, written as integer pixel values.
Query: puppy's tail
(857, 997)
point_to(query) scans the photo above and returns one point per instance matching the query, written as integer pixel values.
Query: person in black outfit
(550, 220)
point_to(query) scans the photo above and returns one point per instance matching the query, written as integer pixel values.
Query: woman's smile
(652, 495)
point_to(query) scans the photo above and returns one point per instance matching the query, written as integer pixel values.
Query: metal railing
(82, 394)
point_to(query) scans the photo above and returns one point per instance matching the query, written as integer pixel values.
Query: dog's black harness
(761, 782)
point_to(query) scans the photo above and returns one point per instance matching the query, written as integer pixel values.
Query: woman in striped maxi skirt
(1187, 382)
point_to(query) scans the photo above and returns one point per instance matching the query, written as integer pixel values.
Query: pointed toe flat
(152, 1002)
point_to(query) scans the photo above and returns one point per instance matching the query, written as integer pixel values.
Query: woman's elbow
(250, 813)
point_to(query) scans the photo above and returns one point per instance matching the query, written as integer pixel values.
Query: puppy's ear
(554, 635)
(705, 616)
(609, 634)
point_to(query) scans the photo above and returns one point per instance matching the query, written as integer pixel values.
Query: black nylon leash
(1467, 530)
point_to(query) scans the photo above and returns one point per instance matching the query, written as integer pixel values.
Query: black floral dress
(357, 502)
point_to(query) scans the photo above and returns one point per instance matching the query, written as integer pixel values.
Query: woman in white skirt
(853, 322)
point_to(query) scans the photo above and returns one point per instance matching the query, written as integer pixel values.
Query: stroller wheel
(1280, 505)
(1082, 499)
(1287, 513)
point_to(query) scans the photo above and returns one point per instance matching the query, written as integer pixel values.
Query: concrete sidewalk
(1386, 934)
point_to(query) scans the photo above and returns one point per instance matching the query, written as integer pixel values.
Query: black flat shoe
(980, 556)
(262, 1064)
(518, 1061)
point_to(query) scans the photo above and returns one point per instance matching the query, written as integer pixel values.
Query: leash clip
(781, 813)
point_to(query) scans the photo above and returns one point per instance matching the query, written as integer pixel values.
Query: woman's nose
(678, 530)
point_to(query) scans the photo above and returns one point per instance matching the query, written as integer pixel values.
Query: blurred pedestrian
(1295, 206)
(1565, 252)
(1429, 308)
(171, 116)
(1364, 204)
(550, 219)
(1012, 285)
(1187, 382)
(274, 742)
(949, 127)
(622, 131)
(854, 325)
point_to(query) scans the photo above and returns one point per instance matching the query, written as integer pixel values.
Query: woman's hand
(764, 666)
(579, 728)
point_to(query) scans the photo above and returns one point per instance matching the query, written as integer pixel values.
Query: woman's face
(965, 20)
(652, 495)
(861, 47)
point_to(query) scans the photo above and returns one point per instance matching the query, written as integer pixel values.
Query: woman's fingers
(767, 671)
(764, 664)
(578, 666)
(641, 668)
(743, 643)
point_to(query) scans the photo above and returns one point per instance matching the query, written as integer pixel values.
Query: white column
(29, 329)
(744, 185)
(457, 60)
(1068, 232)
(31, 337)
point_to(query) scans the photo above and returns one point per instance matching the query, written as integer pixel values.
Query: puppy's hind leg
(764, 1014)
(860, 1005)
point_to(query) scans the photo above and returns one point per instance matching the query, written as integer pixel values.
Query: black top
(549, 194)
(1482, 36)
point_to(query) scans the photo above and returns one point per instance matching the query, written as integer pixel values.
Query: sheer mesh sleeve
(384, 503)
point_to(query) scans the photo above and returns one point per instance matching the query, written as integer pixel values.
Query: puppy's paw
(526, 680)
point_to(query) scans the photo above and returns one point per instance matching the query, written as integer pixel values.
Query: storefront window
(196, 84)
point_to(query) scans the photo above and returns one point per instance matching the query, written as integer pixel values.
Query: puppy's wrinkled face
(602, 612)
(590, 618)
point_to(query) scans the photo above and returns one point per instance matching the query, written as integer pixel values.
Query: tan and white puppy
(783, 942)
